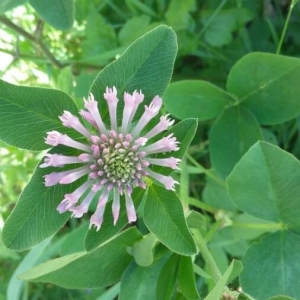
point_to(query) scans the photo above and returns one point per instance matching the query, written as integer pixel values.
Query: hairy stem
(214, 270)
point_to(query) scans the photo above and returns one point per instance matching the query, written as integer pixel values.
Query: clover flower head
(114, 159)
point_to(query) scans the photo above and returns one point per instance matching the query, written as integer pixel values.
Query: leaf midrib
(274, 80)
(136, 70)
(31, 111)
(177, 229)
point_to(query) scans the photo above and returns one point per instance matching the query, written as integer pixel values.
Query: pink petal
(112, 101)
(116, 206)
(72, 121)
(81, 209)
(57, 160)
(54, 138)
(128, 109)
(76, 174)
(166, 144)
(167, 181)
(150, 112)
(97, 217)
(163, 124)
(131, 214)
(92, 106)
(55, 177)
(170, 162)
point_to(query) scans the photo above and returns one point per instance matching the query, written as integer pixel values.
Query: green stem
(206, 25)
(208, 173)
(291, 133)
(214, 270)
(286, 25)
(265, 226)
(199, 204)
(184, 184)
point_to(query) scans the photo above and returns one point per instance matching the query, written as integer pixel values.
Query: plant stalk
(214, 270)
(293, 2)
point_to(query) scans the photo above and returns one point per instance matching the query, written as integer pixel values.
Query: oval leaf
(58, 13)
(27, 113)
(195, 99)
(166, 283)
(163, 215)
(268, 85)
(186, 277)
(35, 217)
(131, 287)
(272, 262)
(258, 185)
(94, 269)
(232, 134)
(146, 65)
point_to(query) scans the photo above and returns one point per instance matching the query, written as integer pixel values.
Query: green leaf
(135, 6)
(63, 80)
(217, 196)
(178, 15)
(232, 134)
(95, 238)
(220, 26)
(58, 13)
(282, 298)
(166, 283)
(7, 253)
(275, 256)
(35, 217)
(110, 293)
(163, 215)
(16, 286)
(146, 65)
(98, 268)
(233, 270)
(197, 221)
(83, 83)
(196, 99)
(186, 276)
(100, 37)
(27, 113)
(143, 250)
(73, 241)
(99, 60)
(140, 282)
(6, 5)
(134, 28)
(268, 85)
(224, 239)
(265, 184)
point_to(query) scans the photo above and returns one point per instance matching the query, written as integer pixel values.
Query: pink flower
(114, 159)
